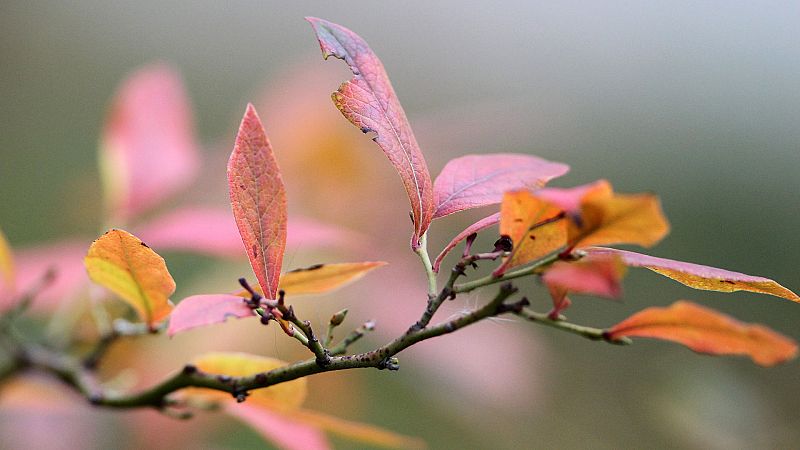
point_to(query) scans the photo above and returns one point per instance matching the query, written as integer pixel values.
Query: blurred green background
(697, 101)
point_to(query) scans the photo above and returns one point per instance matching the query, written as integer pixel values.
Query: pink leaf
(480, 225)
(213, 231)
(479, 180)
(65, 259)
(598, 275)
(148, 148)
(278, 429)
(370, 103)
(569, 199)
(700, 277)
(201, 310)
(258, 199)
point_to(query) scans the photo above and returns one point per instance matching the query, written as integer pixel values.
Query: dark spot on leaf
(255, 251)
(532, 237)
(306, 269)
(366, 130)
(241, 186)
(518, 219)
(143, 244)
(727, 281)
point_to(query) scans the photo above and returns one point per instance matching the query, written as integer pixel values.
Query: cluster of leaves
(555, 234)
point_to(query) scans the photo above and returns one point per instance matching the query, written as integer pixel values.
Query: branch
(595, 334)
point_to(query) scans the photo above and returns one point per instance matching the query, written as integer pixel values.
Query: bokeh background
(697, 101)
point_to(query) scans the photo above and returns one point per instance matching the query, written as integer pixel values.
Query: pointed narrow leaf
(533, 226)
(201, 310)
(282, 397)
(8, 274)
(126, 266)
(707, 331)
(700, 277)
(370, 103)
(593, 275)
(323, 278)
(148, 148)
(361, 432)
(473, 181)
(258, 199)
(480, 225)
(283, 431)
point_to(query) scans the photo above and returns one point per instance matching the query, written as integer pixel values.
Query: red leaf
(148, 147)
(213, 231)
(482, 224)
(700, 277)
(201, 310)
(569, 199)
(258, 199)
(707, 331)
(599, 275)
(473, 181)
(369, 102)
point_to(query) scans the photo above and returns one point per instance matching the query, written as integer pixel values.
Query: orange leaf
(707, 331)
(323, 278)
(283, 396)
(369, 102)
(534, 227)
(606, 218)
(700, 277)
(126, 266)
(258, 199)
(8, 274)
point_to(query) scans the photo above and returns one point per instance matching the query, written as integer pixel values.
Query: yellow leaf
(362, 432)
(323, 278)
(607, 218)
(284, 396)
(534, 226)
(7, 271)
(122, 263)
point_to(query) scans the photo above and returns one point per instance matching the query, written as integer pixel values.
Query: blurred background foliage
(698, 102)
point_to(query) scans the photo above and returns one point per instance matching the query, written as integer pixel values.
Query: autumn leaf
(361, 432)
(213, 231)
(598, 275)
(707, 331)
(700, 277)
(534, 227)
(126, 266)
(279, 429)
(201, 310)
(323, 278)
(480, 225)
(8, 274)
(570, 199)
(258, 199)
(473, 181)
(369, 102)
(148, 150)
(281, 397)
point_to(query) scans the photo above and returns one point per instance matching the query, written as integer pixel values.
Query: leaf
(8, 274)
(258, 199)
(361, 432)
(126, 266)
(700, 277)
(213, 231)
(201, 310)
(480, 225)
(608, 218)
(283, 431)
(369, 102)
(148, 149)
(282, 397)
(533, 226)
(592, 275)
(323, 278)
(707, 331)
(569, 199)
(473, 181)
